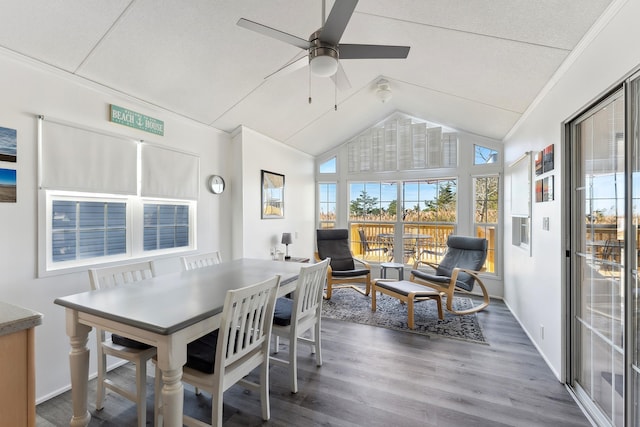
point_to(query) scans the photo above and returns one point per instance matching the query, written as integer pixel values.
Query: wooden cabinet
(17, 365)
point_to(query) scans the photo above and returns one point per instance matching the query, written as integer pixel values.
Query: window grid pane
(165, 226)
(83, 230)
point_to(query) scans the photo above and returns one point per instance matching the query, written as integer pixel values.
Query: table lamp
(286, 241)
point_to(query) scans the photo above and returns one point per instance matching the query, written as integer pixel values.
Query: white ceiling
(474, 65)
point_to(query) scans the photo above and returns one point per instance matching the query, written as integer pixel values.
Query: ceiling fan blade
(299, 61)
(337, 21)
(372, 51)
(273, 33)
(340, 79)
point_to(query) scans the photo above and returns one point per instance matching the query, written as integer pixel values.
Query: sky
(7, 177)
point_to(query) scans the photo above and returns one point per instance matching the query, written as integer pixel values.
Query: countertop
(14, 318)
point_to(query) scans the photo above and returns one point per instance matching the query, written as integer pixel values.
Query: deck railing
(425, 242)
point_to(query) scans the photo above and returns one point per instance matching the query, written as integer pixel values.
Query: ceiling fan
(323, 46)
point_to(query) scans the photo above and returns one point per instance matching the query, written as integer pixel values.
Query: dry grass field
(7, 193)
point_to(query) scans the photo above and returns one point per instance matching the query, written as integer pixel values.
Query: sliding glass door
(604, 222)
(598, 236)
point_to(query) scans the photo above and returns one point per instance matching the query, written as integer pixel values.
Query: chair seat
(201, 353)
(350, 273)
(282, 314)
(431, 277)
(128, 342)
(404, 287)
(441, 279)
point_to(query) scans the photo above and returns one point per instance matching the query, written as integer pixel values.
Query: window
(329, 166)
(429, 217)
(87, 228)
(486, 203)
(409, 187)
(484, 155)
(372, 217)
(402, 144)
(89, 214)
(327, 204)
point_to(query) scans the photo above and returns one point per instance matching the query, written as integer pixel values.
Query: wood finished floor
(379, 377)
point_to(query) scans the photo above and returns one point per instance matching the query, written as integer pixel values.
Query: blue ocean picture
(7, 185)
(8, 144)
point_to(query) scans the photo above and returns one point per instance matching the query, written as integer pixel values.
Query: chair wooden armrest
(363, 262)
(416, 265)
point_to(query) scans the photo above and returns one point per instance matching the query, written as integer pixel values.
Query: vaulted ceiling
(474, 65)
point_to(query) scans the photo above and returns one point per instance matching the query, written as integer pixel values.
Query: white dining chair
(227, 355)
(294, 317)
(190, 262)
(121, 347)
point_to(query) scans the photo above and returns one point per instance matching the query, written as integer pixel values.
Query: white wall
(535, 286)
(253, 237)
(28, 90)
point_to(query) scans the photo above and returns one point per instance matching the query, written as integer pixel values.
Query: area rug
(354, 307)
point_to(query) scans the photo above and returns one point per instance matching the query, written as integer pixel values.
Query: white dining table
(167, 312)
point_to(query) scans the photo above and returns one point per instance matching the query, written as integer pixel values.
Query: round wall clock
(215, 184)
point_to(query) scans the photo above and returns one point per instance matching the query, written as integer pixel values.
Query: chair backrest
(245, 328)
(363, 240)
(463, 252)
(110, 277)
(334, 243)
(191, 262)
(307, 298)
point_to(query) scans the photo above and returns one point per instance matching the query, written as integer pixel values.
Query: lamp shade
(323, 61)
(286, 239)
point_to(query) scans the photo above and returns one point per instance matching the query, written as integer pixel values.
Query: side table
(395, 265)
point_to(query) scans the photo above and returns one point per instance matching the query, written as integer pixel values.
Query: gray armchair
(458, 270)
(344, 271)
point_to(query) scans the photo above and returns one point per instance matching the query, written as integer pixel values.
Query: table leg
(172, 397)
(79, 368)
(170, 361)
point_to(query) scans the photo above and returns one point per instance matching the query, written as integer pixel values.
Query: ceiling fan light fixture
(323, 61)
(384, 91)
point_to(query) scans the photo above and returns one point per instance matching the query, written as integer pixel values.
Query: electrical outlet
(545, 223)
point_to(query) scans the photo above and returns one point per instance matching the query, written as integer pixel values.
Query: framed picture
(8, 145)
(7, 185)
(272, 195)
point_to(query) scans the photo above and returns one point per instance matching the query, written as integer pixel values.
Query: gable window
(329, 166)
(484, 155)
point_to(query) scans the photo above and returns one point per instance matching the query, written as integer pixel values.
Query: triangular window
(484, 155)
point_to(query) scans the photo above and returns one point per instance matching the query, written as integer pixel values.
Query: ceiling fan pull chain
(335, 97)
(309, 85)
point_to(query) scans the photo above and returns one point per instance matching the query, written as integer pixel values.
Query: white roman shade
(76, 159)
(169, 173)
